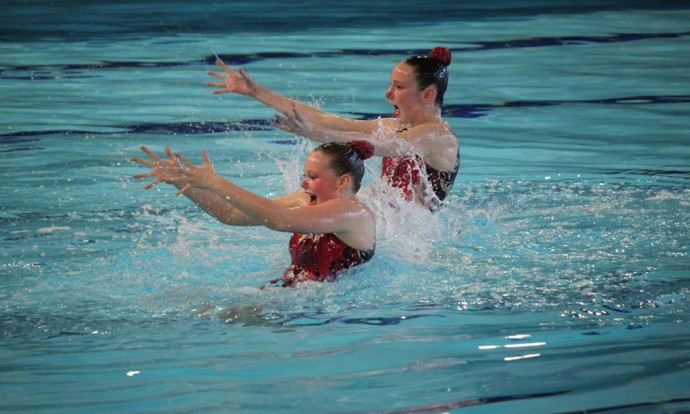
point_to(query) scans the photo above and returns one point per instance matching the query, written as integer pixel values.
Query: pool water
(556, 279)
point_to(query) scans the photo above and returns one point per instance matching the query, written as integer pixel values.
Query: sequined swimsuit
(404, 173)
(319, 257)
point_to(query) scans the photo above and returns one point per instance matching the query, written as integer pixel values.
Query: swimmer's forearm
(384, 145)
(259, 210)
(217, 207)
(283, 104)
(322, 134)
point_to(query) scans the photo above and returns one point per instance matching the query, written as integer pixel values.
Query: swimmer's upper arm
(228, 214)
(343, 124)
(332, 216)
(293, 200)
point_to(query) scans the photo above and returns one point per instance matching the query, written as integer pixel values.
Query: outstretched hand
(171, 170)
(294, 122)
(232, 81)
(163, 171)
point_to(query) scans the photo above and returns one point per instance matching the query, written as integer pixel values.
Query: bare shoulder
(437, 131)
(350, 206)
(388, 123)
(361, 230)
(440, 145)
(431, 137)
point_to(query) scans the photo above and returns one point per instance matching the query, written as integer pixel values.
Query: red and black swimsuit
(319, 257)
(405, 173)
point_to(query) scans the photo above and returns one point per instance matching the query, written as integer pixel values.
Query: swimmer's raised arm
(170, 171)
(238, 81)
(222, 210)
(234, 205)
(282, 214)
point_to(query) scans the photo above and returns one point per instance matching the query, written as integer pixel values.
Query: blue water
(555, 281)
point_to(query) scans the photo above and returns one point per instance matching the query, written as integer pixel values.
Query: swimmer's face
(403, 91)
(319, 180)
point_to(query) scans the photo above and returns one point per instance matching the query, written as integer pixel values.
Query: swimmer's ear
(429, 94)
(344, 182)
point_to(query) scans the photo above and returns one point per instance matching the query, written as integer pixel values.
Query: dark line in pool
(377, 321)
(46, 77)
(384, 321)
(7, 139)
(66, 333)
(202, 127)
(22, 149)
(209, 127)
(576, 40)
(244, 59)
(479, 110)
(453, 405)
(617, 408)
(648, 172)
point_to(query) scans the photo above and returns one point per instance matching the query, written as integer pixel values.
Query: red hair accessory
(442, 54)
(365, 149)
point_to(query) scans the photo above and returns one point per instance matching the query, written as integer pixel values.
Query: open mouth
(396, 111)
(312, 198)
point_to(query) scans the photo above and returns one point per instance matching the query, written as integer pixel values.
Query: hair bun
(442, 54)
(365, 149)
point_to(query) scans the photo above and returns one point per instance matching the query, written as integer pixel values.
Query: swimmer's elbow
(278, 221)
(277, 226)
